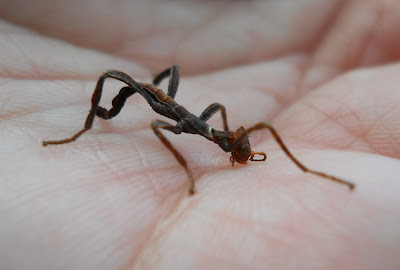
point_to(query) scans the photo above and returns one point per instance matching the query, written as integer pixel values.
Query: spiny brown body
(159, 94)
(237, 143)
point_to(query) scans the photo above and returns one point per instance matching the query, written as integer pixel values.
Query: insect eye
(246, 148)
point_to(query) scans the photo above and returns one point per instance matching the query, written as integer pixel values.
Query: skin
(326, 75)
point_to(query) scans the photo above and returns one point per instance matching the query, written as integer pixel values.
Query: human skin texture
(325, 73)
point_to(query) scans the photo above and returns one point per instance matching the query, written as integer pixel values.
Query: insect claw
(192, 191)
(232, 160)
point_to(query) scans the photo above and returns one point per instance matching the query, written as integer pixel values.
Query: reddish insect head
(242, 152)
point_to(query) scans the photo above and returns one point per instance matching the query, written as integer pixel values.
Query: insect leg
(156, 125)
(118, 102)
(211, 110)
(278, 139)
(173, 74)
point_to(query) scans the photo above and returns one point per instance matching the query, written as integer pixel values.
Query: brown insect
(235, 142)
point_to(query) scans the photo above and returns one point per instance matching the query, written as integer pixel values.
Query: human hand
(116, 198)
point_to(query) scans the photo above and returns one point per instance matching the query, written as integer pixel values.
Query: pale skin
(325, 75)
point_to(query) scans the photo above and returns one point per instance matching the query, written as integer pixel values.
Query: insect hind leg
(173, 74)
(118, 103)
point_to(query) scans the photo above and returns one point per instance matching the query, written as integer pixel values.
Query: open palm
(323, 74)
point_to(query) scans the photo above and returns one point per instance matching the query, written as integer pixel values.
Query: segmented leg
(295, 160)
(211, 110)
(118, 102)
(173, 74)
(156, 125)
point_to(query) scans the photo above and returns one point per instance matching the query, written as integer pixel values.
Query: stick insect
(237, 143)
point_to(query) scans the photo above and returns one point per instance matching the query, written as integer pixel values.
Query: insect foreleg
(279, 140)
